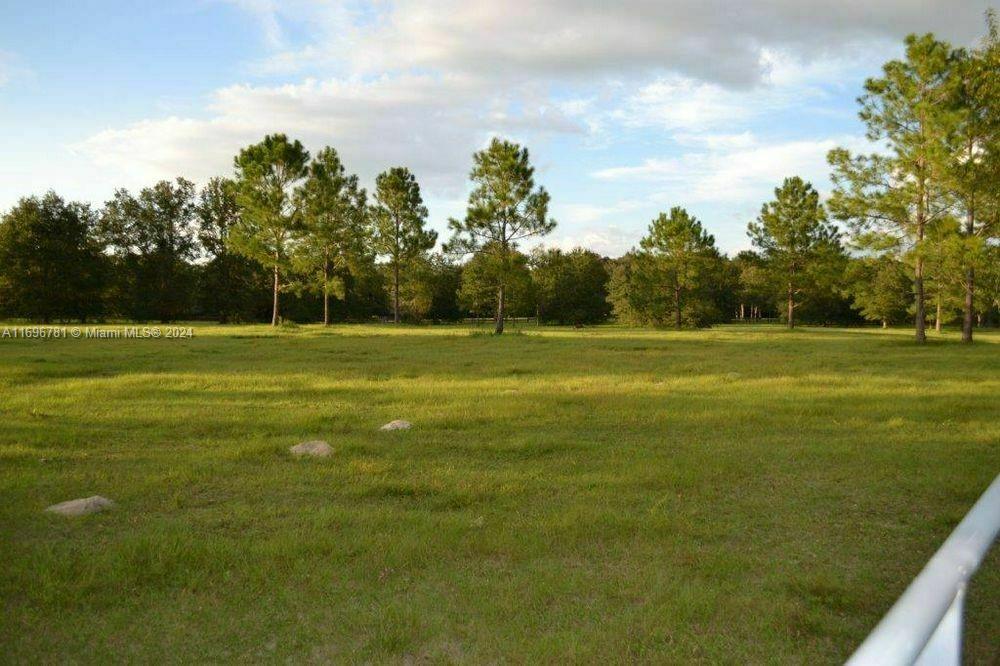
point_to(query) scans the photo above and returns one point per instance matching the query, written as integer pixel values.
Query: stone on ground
(398, 424)
(316, 449)
(81, 507)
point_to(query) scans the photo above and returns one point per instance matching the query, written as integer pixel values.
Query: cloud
(709, 40)
(429, 123)
(590, 213)
(608, 240)
(679, 103)
(267, 14)
(426, 83)
(733, 171)
(423, 83)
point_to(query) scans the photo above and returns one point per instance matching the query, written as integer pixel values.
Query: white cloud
(422, 83)
(608, 240)
(268, 15)
(687, 106)
(676, 103)
(712, 40)
(431, 124)
(589, 213)
(426, 83)
(733, 172)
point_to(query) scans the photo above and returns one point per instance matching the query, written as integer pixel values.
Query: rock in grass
(317, 449)
(398, 424)
(81, 507)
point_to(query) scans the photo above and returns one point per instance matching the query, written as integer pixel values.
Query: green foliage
(504, 208)
(429, 289)
(927, 198)
(880, 287)
(754, 293)
(486, 273)
(800, 249)
(637, 300)
(365, 294)
(570, 287)
(890, 199)
(990, 283)
(51, 265)
(231, 287)
(400, 218)
(969, 170)
(446, 278)
(267, 174)
(334, 233)
(671, 278)
(153, 238)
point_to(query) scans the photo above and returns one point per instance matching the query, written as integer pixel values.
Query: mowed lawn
(606, 495)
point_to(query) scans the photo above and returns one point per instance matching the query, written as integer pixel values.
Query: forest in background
(908, 234)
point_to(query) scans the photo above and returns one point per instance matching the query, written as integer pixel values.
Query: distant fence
(755, 320)
(479, 321)
(924, 627)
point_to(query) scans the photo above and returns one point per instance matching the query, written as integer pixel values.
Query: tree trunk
(970, 272)
(791, 306)
(395, 291)
(677, 308)
(918, 282)
(967, 314)
(885, 324)
(937, 317)
(326, 289)
(498, 329)
(921, 316)
(274, 309)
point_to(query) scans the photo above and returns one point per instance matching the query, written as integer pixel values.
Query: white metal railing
(924, 626)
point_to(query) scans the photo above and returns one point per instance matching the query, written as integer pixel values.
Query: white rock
(316, 448)
(81, 507)
(398, 424)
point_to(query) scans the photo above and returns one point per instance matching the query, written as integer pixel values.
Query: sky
(628, 107)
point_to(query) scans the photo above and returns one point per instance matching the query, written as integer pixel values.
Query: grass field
(736, 495)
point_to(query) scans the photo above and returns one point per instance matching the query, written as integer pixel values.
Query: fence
(924, 627)
(755, 320)
(479, 321)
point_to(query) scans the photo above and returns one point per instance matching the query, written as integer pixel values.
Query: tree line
(294, 236)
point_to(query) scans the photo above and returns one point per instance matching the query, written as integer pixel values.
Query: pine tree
(334, 226)
(267, 174)
(504, 208)
(892, 194)
(795, 241)
(400, 218)
(681, 252)
(969, 169)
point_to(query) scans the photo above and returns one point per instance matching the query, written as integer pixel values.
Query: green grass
(738, 495)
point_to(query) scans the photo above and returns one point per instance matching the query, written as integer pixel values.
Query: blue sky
(628, 108)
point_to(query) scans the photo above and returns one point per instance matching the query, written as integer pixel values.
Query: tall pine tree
(795, 241)
(400, 220)
(504, 208)
(891, 195)
(334, 230)
(267, 174)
